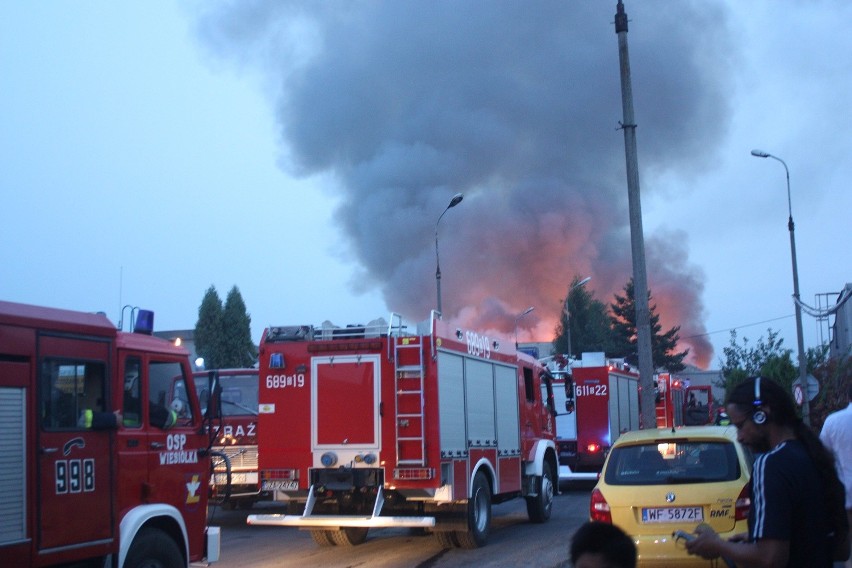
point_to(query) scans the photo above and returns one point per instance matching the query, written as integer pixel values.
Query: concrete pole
(637, 239)
(800, 341)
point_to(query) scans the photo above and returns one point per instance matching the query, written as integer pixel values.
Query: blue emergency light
(144, 322)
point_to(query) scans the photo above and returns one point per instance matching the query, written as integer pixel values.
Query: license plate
(672, 514)
(237, 478)
(273, 485)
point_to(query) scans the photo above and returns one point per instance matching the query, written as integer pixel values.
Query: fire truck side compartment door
(14, 474)
(479, 395)
(451, 404)
(508, 426)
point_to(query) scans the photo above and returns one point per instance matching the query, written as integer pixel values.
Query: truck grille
(242, 458)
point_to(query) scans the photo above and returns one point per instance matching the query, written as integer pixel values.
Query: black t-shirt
(787, 504)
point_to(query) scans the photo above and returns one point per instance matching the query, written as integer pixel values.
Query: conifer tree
(624, 335)
(223, 333)
(584, 320)
(238, 349)
(209, 340)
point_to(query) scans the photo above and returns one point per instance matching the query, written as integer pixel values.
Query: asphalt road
(514, 541)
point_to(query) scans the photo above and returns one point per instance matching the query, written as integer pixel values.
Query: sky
(305, 152)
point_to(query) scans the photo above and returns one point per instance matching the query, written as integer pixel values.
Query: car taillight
(599, 508)
(742, 505)
(593, 448)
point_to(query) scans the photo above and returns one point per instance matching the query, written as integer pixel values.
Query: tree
(767, 359)
(624, 335)
(223, 333)
(237, 349)
(588, 323)
(209, 339)
(834, 376)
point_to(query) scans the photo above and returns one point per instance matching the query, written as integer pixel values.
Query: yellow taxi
(658, 481)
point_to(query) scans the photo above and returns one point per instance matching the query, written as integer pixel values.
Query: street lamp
(457, 198)
(582, 282)
(803, 365)
(517, 319)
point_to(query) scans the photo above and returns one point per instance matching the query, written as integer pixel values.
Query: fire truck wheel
(322, 538)
(447, 539)
(152, 548)
(540, 506)
(478, 515)
(349, 536)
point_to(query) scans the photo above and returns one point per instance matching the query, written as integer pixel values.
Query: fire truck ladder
(410, 402)
(663, 411)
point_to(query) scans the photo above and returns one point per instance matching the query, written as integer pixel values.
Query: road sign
(813, 389)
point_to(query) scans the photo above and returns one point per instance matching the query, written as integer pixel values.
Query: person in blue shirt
(796, 496)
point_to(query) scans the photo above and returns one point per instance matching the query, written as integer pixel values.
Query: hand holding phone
(679, 534)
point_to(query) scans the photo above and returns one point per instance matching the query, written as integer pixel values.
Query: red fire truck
(80, 484)
(375, 426)
(682, 404)
(235, 482)
(596, 399)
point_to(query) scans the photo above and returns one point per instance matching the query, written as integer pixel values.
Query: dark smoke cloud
(514, 104)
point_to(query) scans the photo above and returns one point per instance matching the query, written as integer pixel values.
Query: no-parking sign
(798, 394)
(798, 391)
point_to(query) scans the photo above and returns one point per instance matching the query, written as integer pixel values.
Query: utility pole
(791, 227)
(637, 239)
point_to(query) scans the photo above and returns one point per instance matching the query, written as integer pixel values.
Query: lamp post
(517, 319)
(582, 282)
(457, 198)
(803, 364)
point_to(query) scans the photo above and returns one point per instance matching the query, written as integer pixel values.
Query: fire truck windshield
(239, 393)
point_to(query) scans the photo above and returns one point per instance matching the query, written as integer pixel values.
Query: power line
(811, 311)
(738, 327)
(844, 297)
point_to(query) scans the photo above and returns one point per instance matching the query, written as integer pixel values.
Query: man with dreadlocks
(796, 496)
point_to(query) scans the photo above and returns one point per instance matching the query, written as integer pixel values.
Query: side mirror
(214, 402)
(569, 395)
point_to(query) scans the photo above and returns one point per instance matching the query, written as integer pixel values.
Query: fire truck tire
(540, 506)
(152, 548)
(322, 538)
(349, 536)
(478, 515)
(447, 539)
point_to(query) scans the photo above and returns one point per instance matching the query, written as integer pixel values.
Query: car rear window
(672, 462)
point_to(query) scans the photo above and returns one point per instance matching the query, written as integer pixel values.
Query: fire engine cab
(374, 426)
(235, 482)
(104, 453)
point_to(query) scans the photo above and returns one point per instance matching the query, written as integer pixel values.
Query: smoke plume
(514, 104)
